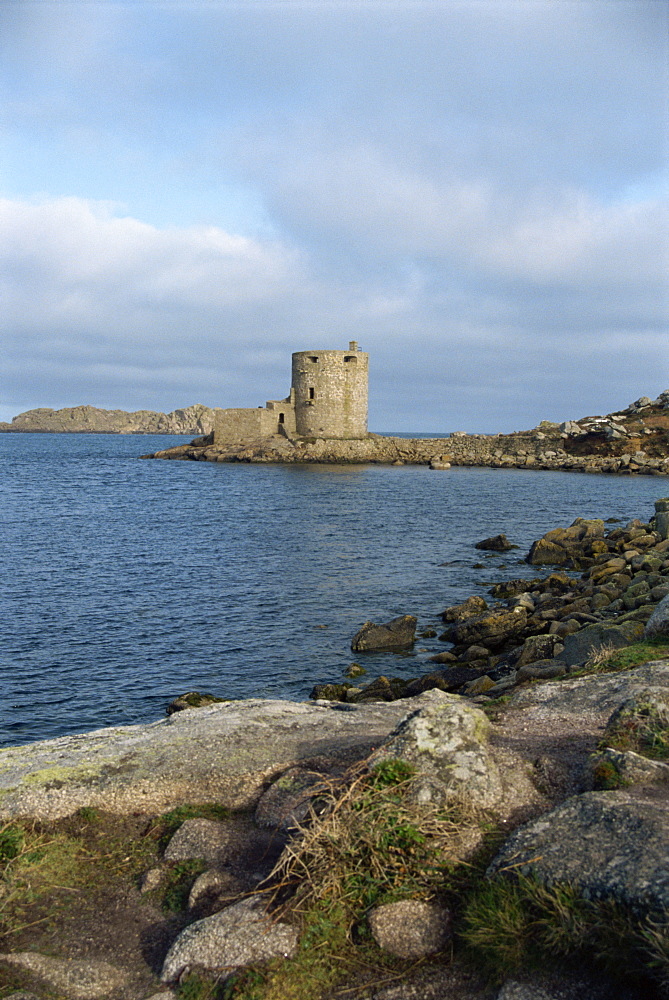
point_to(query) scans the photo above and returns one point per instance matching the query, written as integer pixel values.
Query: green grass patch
(642, 731)
(47, 869)
(607, 777)
(178, 884)
(165, 826)
(607, 660)
(373, 844)
(197, 987)
(11, 842)
(513, 924)
(494, 708)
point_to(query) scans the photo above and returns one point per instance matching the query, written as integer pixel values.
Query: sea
(126, 582)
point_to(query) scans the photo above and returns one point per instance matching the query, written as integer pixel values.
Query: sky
(474, 190)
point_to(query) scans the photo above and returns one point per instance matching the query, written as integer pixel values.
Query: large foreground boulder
(609, 845)
(396, 634)
(446, 739)
(593, 695)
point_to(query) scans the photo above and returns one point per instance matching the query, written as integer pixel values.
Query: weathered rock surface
(411, 928)
(610, 845)
(238, 936)
(541, 670)
(192, 699)
(467, 609)
(565, 986)
(217, 843)
(597, 693)
(81, 980)
(225, 753)
(445, 738)
(210, 888)
(610, 769)
(579, 645)
(567, 546)
(491, 629)
(399, 633)
(287, 801)
(658, 624)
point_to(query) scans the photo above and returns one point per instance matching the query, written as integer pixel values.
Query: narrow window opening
(350, 357)
(314, 360)
(312, 393)
(281, 418)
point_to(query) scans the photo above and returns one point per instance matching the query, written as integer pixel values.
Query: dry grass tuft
(367, 842)
(599, 658)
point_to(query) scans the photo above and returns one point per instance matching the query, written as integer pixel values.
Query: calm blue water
(127, 582)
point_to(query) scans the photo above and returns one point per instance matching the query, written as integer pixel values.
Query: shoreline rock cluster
(539, 627)
(633, 441)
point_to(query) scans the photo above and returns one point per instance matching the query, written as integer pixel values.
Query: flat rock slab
(596, 693)
(224, 753)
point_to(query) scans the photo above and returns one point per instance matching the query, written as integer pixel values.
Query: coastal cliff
(633, 440)
(195, 419)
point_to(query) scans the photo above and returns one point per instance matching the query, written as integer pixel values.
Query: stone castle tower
(328, 399)
(331, 393)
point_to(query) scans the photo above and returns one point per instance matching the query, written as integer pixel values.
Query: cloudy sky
(475, 190)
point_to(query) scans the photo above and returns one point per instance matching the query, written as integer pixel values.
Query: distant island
(196, 419)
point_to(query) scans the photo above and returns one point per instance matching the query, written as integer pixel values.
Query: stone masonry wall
(235, 425)
(331, 393)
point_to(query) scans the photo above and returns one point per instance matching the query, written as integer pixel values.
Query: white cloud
(471, 190)
(81, 255)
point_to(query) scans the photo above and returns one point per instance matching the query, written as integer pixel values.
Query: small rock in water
(498, 543)
(192, 699)
(398, 633)
(354, 670)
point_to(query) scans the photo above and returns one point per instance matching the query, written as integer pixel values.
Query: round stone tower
(331, 393)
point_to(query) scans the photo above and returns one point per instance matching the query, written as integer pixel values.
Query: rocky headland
(496, 829)
(630, 441)
(196, 419)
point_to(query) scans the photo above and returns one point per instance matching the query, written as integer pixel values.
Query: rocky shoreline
(633, 441)
(546, 720)
(536, 627)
